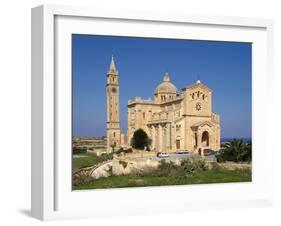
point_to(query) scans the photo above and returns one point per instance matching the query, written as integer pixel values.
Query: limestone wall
(120, 167)
(136, 154)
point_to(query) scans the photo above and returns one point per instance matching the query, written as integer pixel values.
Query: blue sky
(223, 66)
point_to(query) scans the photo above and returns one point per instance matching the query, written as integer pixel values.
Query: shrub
(215, 167)
(105, 157)
(81, 178)
(121, 150)
(129, 150)
(220, 159)
(79, 150)
(123, 163)
(169, 169)
(192, 166)
(237, 151)
(185, 169)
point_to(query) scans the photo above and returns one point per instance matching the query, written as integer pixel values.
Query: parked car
(162, 155)
(103, 152)
(181, 152)
(208, 152)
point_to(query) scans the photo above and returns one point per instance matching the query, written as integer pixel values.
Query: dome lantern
(166, 77)
(166, 86)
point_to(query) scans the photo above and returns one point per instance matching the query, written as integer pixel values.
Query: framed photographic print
(137, 112)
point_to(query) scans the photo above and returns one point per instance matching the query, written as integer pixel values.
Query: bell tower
(112, 107)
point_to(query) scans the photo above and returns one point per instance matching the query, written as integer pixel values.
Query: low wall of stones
(122, 166)
(137, 154)
(235, 166)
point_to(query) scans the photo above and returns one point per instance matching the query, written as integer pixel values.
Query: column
(173, 137)
(199, 141)
(211, 141)
(153, 136)
(160, 134)
(164, 138)
(156, 146)
(168, 137)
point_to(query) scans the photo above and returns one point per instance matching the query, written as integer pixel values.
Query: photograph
(160, 112)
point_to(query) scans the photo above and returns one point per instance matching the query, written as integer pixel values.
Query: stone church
(174, 119)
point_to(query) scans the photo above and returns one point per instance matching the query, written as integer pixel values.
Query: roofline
(203, 123)
(196, 85)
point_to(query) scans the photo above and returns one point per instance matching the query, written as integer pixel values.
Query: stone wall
(137, 154)
(121, 167)
(235, 166)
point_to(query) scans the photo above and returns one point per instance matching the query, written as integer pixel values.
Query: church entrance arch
(205, 139)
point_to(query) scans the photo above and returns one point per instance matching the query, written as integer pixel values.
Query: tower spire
(112, 107)
(112, 67)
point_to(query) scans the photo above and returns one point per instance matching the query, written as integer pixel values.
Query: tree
(237, 151)
(140, 139)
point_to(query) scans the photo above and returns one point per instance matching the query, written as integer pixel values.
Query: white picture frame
(52, 197)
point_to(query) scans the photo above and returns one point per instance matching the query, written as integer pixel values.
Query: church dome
(166, 86)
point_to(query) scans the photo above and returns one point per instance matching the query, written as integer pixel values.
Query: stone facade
(176, 120)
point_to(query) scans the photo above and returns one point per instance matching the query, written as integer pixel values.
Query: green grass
(87, 159)
(204, 177)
